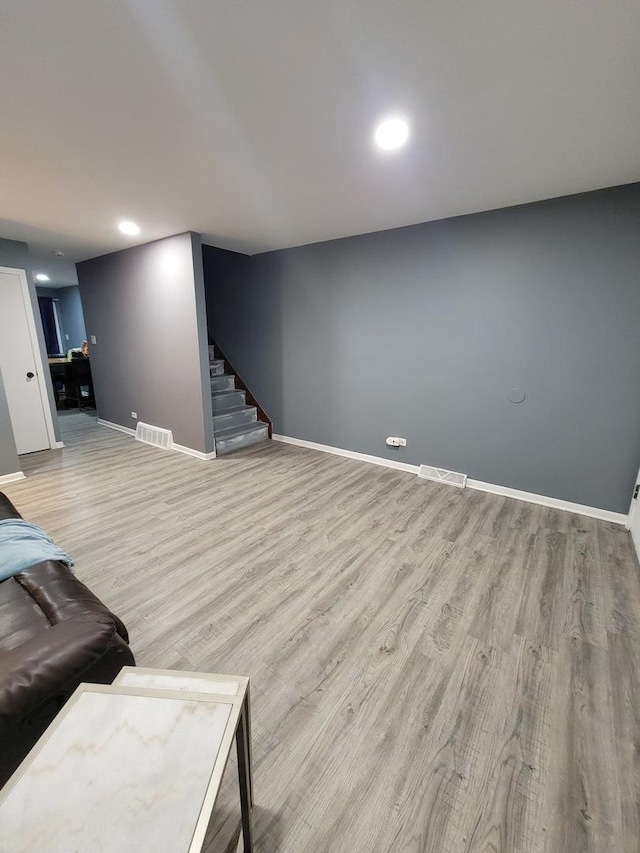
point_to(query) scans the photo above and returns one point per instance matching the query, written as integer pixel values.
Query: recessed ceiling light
(42, 277)
(129, 228)
(391, 133)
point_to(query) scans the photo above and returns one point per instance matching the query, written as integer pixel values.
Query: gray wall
(70, 312)
(15, 254)
(143, 306)
(72, 317)
(421, 332)
(8, 457)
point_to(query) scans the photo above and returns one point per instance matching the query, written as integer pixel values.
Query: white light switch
(66, 337)
(93, 339)
(134, 415)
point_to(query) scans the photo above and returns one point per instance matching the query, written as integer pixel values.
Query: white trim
(37, 354)
(350, 454)
(120, 428)
(191, 452)
(198, 454)
(629, 519)
(56, 319)
(633, 521)
(11, 478)
(633, 506)
(529, 497)
(554, 503)
(59, 445)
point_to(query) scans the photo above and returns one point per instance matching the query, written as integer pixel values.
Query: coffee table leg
(244, 776)
(247, 716)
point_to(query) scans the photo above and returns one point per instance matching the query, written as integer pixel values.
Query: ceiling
(251, 122)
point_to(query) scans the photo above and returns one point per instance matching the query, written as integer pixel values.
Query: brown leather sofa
(54, 634)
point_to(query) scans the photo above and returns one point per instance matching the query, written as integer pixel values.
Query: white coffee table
(132, 766)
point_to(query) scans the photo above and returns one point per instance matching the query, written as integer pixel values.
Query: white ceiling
(251, 121)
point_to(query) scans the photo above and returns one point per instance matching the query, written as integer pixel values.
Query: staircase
(235, 424)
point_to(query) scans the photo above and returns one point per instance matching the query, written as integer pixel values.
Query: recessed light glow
(129, 228)
(42, 277)
(391, 133)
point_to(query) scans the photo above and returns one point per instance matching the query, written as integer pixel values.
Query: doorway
(22, 366)
(634, 516)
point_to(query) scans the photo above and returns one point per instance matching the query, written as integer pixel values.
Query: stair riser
(234, 419)
(227, 401)
(216, 369)
(239, 441)
(222, 383)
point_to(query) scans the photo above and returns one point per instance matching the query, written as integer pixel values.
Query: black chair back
(81, 373)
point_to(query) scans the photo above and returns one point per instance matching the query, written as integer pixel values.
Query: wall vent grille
(441, 475)
(154, 435)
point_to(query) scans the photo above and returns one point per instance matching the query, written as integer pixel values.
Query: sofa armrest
(7, 509)
(41, 667)
(61, 596)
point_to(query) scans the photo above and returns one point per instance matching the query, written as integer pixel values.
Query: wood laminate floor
(432, 669)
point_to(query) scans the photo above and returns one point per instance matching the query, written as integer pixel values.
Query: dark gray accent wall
(9, 463)
(423, 331)
(15, 254)
(143, 306)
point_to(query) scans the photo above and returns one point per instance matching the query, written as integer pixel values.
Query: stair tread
(226, 391)
(222, 376)
(234, 410)
(240, 430)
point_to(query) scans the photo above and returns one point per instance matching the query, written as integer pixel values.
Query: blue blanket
(23, 544)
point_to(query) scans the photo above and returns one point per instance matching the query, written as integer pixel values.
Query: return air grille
(154, 435)
(441, 475)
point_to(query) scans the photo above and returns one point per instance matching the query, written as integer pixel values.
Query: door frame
(36, 352)
(633, 506)
(634, 512)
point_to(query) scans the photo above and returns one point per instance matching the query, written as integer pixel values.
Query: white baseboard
(119, 427)
(198, 454)
(350, 454)
(554, 503)
(58, 445)
(11, 478)
(505, 491)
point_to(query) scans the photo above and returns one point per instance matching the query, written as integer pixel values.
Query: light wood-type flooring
(432, 669)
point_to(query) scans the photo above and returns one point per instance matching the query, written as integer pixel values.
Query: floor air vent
(154, 435)
(441, 475)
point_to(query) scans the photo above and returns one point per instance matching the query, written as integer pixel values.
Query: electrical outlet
(93, 339)
(66, 337)
(395, 441)
(134, 415)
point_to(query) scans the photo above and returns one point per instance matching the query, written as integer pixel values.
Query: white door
(19, 362)
(634, 516)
